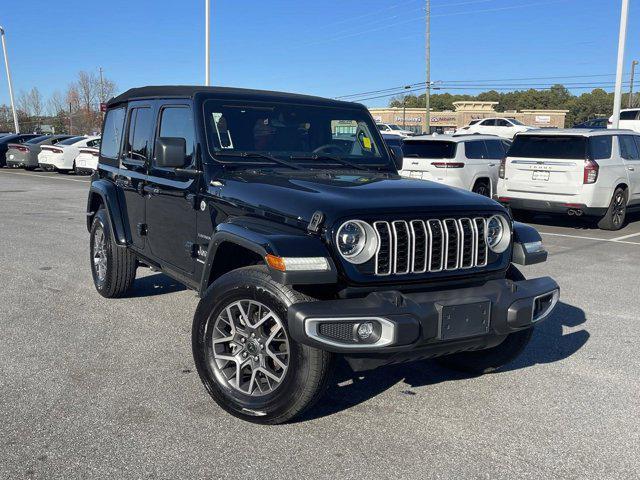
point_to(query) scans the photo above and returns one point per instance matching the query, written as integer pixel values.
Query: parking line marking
(613, 240)
(624, 237)
(47, 176)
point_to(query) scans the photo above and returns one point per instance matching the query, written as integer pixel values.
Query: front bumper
(424, 324)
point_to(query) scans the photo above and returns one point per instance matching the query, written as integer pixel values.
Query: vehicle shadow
(577, 223)
(152, 285)
(548, 344)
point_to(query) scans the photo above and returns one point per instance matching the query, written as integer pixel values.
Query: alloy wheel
(100, 253)
(619, 209)
(249, 348)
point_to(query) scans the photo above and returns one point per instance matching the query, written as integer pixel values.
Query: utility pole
(101, 87)
(6, 65)
(404, 108)
(622, 38)
(633, 71)
(207, 59)
(428, 59)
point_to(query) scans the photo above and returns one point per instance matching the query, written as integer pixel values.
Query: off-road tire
(121, 264)
(308, 369)
(491, 359)
(616, 214)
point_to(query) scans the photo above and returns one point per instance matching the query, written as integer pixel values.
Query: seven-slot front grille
(419, 246)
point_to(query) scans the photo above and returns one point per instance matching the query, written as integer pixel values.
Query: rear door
(171, 212)
(552, 164)
(630, 153)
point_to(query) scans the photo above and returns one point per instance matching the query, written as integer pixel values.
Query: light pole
(404, 108)
(207, 60)
(622, 37)
(6, 64)
(633, 71)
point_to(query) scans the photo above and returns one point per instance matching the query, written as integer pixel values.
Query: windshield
(515, 122)
(429, 149)
(71, 141)
(305, 135)
(552, 146)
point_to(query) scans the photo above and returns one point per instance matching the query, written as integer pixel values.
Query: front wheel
(244, 354)
(491, 359)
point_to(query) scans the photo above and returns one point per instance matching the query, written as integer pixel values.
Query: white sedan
(62, 156)
(502, 127)
(392, 128)
(87, 160)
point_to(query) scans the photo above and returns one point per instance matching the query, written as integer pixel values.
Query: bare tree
(56, 103)
(36, 102)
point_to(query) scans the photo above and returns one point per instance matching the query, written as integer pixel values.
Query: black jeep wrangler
(287, 215)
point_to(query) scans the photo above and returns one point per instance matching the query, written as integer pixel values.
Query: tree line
(75, 110)
(581, 107)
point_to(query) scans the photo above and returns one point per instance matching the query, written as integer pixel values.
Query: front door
(171, 200)
(630, 152)
(133, 168)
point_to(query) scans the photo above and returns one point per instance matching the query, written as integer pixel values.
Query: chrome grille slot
(420, 246)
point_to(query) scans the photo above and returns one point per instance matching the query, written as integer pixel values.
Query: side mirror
(398, 156)
(171, 152)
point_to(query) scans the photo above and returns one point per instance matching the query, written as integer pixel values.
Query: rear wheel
(244, 354)
(491, 359)
(616, 213)
(482, 187)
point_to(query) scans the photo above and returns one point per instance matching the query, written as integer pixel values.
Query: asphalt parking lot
(97, 388)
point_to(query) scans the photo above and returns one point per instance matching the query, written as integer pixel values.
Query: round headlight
(498, 234)
(357, 241)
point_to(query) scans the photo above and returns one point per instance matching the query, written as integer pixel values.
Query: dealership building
(448, 121)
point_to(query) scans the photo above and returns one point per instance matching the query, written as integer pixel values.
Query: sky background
(327, 48)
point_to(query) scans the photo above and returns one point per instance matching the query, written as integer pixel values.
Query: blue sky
(327, 48)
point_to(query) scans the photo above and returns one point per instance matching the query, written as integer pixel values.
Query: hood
(341, 194)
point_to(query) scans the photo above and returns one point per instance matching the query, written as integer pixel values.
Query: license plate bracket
(540, 175)
(464, 320)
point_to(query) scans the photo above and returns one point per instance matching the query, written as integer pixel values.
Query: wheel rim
(618, 209)
(482, 190)
(100, 254)
(250, 348)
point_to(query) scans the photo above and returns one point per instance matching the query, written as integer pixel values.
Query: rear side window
(138, 142)
(495, 149)
(429, 149)
(502, 123)
(552, 146)
(177, 122)
(600, 147)
(628, 147)
(112, 134)
(476, 149)
(629, 115)
(488, 123)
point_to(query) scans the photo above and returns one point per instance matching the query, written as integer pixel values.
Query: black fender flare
(527, 245)
(109, 196)
(279, 244)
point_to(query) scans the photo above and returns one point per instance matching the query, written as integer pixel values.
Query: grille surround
(410, 247)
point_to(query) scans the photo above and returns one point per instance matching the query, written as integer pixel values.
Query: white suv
(470, 162)
(574, 171)
(629, 118)
(394, 129)
(502, 127)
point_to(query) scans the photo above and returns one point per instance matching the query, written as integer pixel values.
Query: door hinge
(142, 229)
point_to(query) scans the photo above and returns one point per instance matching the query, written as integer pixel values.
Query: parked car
(61, 157)
(392, 128)
(87, 160)
(593, 123)
(303, 248)
(5, 140)
(502, 127)
(25, 155)
(469, 162)
(629, 119)
(574, 171)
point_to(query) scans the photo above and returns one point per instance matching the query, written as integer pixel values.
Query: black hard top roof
(188, 91)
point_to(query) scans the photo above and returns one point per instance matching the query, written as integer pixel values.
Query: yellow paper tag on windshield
(366, 142)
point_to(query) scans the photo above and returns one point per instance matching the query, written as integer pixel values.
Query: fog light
(365, 330)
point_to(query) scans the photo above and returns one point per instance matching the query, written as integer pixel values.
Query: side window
(488, 123)
(600, 147)
(94, 143)
(628, 148)
(637, 138)
(495, 150)
(177, 122)
(502, 123)
(138, 145)
(475, 149)
(629, 115)
(112, 135)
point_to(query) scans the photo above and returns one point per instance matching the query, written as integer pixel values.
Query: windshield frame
(384, 161)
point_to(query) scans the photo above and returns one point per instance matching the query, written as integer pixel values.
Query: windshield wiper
(330, 157)
(264, 156)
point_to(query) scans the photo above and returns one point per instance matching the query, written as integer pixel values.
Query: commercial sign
(546, 119)
(409, 119)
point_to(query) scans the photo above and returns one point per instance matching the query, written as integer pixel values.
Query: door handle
(492, 164)
(150, 190)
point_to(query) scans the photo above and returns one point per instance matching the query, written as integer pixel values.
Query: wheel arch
(104, 194)
(483, 177)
